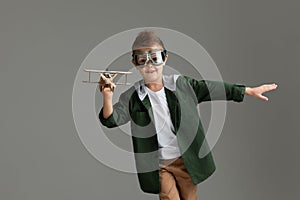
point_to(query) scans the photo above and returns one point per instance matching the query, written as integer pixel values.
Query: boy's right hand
(107, 94)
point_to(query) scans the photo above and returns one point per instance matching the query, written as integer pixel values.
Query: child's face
(151, 73)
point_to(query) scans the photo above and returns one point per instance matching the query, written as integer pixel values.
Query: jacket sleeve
(206, 90)
(120, 113)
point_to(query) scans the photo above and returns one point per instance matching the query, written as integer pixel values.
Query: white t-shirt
(167, 141)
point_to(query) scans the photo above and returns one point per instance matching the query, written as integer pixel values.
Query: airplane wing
(105, 71)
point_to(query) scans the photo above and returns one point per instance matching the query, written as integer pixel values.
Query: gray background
(43, 43)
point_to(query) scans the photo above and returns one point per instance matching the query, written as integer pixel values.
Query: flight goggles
(157, 57)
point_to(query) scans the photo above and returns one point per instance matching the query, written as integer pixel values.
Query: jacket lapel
(174, 108)
(147, 104)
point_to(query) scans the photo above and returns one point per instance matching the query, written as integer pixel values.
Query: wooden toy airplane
(106, 78)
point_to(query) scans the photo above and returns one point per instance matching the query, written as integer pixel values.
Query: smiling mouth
(150, 72)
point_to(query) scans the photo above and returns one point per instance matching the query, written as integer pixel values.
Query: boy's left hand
(258, 91)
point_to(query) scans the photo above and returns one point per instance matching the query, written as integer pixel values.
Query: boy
(166, 129)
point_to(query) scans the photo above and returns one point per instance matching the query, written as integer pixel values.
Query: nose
(149, 63)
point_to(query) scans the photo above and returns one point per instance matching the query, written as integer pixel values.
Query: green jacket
(183, 94)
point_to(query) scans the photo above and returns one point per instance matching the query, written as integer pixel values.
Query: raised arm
(113, 115)
(107, 94)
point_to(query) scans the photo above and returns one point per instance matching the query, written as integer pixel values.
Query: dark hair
(146, 39)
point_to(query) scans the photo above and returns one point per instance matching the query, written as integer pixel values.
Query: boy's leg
(176, 180)
(168, 189)
(187, 189)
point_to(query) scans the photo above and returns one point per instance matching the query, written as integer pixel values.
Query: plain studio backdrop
(43, 44)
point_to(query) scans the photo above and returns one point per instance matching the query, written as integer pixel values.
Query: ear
(166, 58)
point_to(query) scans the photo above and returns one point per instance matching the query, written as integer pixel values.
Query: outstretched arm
(258, 91)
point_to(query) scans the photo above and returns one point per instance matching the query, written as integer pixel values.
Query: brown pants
(176, 183)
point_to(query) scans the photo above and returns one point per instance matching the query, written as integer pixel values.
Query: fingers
(263, 97)
(110, 87)
(265, 88)
(106, 87)
(269, 87)
(106, 90)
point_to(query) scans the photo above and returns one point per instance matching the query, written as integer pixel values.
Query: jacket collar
(169, 83)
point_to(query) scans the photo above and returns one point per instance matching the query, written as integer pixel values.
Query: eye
(141, 60)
